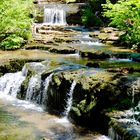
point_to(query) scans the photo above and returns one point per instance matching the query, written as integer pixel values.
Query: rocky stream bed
(68, 73)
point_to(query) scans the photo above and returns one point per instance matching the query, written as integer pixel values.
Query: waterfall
(133, 113)
(54, 16)
(33, 90)
(70, 98)
(64, 120)
(113, 135)
(45, 86)
(10, 83)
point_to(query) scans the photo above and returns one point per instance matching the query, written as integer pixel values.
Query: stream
(24, 120)
(27, 97)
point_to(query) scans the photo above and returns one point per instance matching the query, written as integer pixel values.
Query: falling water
(54, 16)
(112, 134)
(70, 98)
(10, 83)
(132, 114)
(87, 40)
(64, 120)
(33, 90)
(130, 118)
(46, 85)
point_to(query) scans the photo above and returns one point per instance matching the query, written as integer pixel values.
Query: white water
(10, 85)
(113, 135)
(90, 43)
(85, 39)
(70, 98)
(54, 16)
(130, 117)
(120, 59)
(46, 85)
(33, 87)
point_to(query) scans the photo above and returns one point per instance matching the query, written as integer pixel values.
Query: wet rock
(14, 65)
(121, 70)
(32, 72)
(99, 92)
(51, 47)
(57, 94)
(95, 65)
(95, 92)
(122, 131)
(108, 35)
(24, 86)
(94, 55)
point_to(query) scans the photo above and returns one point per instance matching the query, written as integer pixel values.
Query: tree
(125, 15)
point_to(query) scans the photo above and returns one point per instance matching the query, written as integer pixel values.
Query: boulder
(59, 86)
(95, 94)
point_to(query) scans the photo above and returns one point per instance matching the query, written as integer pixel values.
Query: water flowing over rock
(45, 86)
(54, 16)
(10, 83)
(33, 90)
(70, 98)
(54, 85)
(113, 135)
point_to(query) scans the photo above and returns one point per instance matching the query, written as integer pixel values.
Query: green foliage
(125, 15)
(15, 22)
(12, 42)
(89, 18)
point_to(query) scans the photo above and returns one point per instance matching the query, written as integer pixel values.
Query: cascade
(70, 98)
(133, 113)
(33, 90)
(54, 16)
(45, 88)
(130, 118)
(113, 135)
(10, 83)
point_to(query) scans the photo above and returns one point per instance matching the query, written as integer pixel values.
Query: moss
(76, 111)
(121, 130)
(57, 80)
(23, 89)
(86, 107)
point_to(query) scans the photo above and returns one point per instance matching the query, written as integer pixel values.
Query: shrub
(15, 21)
(125, 15)
(12, 42)
(89, 18)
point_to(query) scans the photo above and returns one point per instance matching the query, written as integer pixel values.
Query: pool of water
(26, 123)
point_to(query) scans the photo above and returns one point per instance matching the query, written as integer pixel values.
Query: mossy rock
(24, 86)
(101, 91)
(57, 94)
(120, 129)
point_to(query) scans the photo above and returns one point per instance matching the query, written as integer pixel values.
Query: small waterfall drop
(46, 85)
(33, 91)
(10, 83)
(133, 113)
(113, 135)
(70, 98)
(64, 120)
(54, 16)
